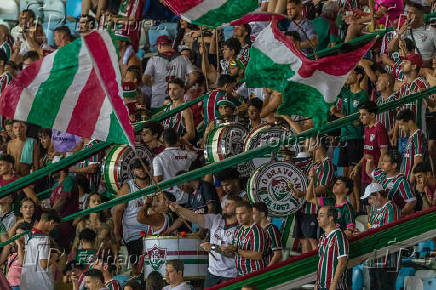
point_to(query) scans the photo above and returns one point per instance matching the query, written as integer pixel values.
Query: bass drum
(266, 134)
(270, 184)
(159, 249)
(225, 140)
(116, 166)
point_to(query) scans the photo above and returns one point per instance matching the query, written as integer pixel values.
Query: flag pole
(218, 66)
(204, 56)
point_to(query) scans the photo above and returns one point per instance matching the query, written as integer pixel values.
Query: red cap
(164, 39)
(414, 58)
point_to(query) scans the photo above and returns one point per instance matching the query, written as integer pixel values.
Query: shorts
(135, 249)
(306, 226)
(212, 280)
(350, 152)
(430, 119)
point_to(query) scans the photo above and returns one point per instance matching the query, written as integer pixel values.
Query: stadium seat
(167, 28)
(228, 32)
(358, 277)
(413, 283)
(429, 283)
(362, 222)
(425, 248)
(54, 11)
(34, 5)
(404, 272)
(122, 279)
(424, 274)
(74, 8)
(9, 13)
(49, 27)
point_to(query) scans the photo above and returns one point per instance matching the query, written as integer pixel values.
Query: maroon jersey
(375, 138)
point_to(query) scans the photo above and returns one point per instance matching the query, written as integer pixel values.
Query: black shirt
(202, 196)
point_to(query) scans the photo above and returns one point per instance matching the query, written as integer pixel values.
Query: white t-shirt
(220, 235)
(131, 227)
(37, 249)
(170, 162)
(425, 40)
(249, 93)
(182, 286)
(8, 220)
(161, 69)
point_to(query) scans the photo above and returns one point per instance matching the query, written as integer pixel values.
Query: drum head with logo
(263, 135)
(224, 141)
(270, 184)
(117, 165)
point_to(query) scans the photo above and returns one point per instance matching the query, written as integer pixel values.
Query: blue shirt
(304, 28)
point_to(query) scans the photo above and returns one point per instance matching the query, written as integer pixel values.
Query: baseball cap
(414, 58)
(163, 39)
(226, 101)
(370, 189)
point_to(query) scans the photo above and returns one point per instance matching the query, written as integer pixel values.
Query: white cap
(302, 155)
(370, 189)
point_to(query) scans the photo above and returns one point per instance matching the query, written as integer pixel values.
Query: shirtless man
(430, 75)
(127, 54)
(24, 150)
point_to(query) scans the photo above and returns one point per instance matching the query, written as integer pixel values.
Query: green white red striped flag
(211, 13)
(76, 89)
(308, 86)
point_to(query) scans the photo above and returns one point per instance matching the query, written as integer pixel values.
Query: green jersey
(345, 212)
(349, 105)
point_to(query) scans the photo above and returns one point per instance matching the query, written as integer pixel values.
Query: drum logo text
(272, 185)
(157, 257)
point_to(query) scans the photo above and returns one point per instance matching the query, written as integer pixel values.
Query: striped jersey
(417, 107)
(6, 47)
(251, 238)
(387, 118)
(398, 187)
(244, 54)
(387, 214)
(372, 217)
(331, 248)
(324, 171)
(210, 108)
(396, 70)
(113, 285)
(345, 212)
(96, 158)
(273, 242)
(5, 79)
(175, 122)
(416, 146)
(130, 8)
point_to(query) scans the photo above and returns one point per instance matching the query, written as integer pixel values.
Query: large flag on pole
(308, 86)
(76, 89)
(211, 13)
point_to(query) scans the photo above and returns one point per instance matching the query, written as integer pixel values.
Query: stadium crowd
(381, 166)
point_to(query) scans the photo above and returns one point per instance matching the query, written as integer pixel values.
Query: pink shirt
(14, 273)
(395, 8)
